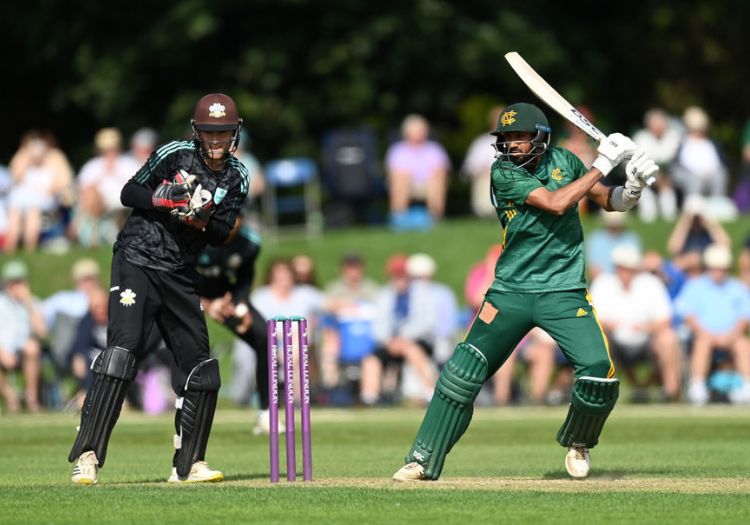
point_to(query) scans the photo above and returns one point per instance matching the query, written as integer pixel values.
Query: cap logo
(508, 118)
(217, 110)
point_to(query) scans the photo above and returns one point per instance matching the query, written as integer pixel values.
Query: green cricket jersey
(542, 252)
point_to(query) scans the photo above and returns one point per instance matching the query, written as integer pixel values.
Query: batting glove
(641, 170)
(612, 150)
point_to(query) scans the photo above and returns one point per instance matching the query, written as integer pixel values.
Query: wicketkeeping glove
(171, 195)
(198, 210)
(612, 150)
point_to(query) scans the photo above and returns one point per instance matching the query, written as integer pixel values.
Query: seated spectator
(64, 310)
(660, 139)
(699, 165)
(635, 312)
(421, 268)
(100, 214)
(744, 262)
(347, 327)
(23, 325)
(716, 308)
(282, 296)
(90, 339)
(142, 144)
(42, 179)
(404, 332)
(602, 242)
(304, 271)
(5, 185)
(477, 167)
(673, 273)
(696, 229)
(741, 193)
(417, 169)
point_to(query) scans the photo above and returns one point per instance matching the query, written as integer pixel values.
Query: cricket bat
(553, 99)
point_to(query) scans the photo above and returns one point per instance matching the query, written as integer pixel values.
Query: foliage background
(300, 67)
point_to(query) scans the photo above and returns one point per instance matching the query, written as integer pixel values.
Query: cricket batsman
(539, 281)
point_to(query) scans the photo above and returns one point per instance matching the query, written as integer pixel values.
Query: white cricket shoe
(85, 469)
(199, 473)
(410, 472)
(578, 462)
(263, 424)
(697, 393)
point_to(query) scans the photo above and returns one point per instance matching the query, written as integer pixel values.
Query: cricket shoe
(85, 469)
(578, 462)
(263, 424)
(410, 472)
(199, 473)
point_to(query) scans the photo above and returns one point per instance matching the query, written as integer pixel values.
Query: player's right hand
(169, 196)
(612, 150)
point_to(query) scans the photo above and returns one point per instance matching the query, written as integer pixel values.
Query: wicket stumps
(287, 323)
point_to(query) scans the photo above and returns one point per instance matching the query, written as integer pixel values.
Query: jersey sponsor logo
(217, 110)
(508, 118)
(127, 298)
(557, 174)
(581, 312)
(487, 313)
(219, 195)
(234, 260)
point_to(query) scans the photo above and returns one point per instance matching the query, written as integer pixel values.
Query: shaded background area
(298, 68)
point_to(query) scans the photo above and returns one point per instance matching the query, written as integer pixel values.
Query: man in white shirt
(634, 309)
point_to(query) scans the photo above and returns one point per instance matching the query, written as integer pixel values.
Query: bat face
(549, 96)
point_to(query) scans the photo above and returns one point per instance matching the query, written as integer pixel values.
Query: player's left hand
(640, 169)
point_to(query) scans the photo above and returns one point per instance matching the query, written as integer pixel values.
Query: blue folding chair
(292, 191)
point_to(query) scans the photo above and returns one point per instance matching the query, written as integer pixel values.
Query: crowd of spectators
(379, 342)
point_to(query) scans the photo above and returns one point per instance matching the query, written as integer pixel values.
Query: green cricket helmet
(524, 118)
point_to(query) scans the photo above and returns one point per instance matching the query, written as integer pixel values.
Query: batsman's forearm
(569, 195)
(133, 195)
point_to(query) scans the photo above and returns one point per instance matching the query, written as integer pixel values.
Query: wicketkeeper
(539, 281)
(187, 194)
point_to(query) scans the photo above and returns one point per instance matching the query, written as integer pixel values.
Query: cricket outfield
(655, 464)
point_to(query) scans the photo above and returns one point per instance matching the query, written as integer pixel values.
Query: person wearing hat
(404, 324)
(347, 321)
(100, 214)
(23, 327)
(603, 240)
(635, 312)
(716, 309)
(186, 196)
(540, 280)
(422, 267)
(64, 309)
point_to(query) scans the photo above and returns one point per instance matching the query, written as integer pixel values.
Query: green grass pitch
(668, 464)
